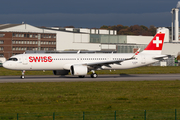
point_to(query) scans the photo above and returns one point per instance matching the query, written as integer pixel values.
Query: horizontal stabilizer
(162, 57)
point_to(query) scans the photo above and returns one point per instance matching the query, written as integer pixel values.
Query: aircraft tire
(22, 77)
(94, 75)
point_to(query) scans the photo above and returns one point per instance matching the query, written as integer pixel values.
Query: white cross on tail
(157, 41)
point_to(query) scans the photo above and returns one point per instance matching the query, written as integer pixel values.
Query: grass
(76, 97)
(140, 70)
(88, 96)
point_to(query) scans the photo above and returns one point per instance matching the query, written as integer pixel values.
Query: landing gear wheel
(81, 76)
(22, 77)
(94, 75)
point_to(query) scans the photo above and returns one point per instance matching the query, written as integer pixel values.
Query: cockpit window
(12, 59)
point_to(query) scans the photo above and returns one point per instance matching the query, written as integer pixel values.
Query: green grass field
(90, 96)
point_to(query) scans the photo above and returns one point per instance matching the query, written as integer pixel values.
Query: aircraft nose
(5, 65)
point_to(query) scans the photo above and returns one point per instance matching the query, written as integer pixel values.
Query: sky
(87, 13)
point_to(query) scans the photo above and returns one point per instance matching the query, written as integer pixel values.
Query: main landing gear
(22, 76)
(93, 75)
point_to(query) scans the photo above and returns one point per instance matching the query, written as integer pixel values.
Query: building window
(13, 42)
(1, 41)
(2, 35)
(19, 48)
(1, 48)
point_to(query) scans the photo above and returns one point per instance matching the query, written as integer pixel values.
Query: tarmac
(70, 78)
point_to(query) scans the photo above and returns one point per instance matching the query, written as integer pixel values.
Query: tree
(132, 30)
(152, 29)
(104, 27)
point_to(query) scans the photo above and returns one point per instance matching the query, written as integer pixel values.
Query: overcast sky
(87, 13)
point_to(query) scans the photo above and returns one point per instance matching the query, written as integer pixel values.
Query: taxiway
(69, 78)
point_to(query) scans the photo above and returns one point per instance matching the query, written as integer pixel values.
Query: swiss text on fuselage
(40, 59)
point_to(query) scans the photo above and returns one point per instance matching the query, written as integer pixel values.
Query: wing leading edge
(107, 63)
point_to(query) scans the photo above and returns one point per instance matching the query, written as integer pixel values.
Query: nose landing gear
(22, 76)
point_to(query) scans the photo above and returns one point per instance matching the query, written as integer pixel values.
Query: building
(18, 38)
(97, 39)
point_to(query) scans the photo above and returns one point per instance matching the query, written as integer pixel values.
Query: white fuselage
(64, 61)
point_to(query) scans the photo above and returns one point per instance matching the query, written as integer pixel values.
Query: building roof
(4, 26)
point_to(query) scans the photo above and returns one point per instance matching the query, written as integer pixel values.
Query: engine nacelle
(60, 72)
(78, 70)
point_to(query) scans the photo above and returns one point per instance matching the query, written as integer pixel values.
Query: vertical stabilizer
(156, 44)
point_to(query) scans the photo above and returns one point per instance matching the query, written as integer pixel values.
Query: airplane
(80, 64)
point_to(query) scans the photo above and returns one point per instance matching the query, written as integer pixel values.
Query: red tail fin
(156, 43)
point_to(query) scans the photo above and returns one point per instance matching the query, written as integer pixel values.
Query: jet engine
(78, 70)
(60, 72)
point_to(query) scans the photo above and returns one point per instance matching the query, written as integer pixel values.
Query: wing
(97, 65)
(107, 63)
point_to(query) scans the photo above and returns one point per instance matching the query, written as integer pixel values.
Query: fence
(169, 114)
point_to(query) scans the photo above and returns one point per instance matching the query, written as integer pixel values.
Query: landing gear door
(25, 60)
